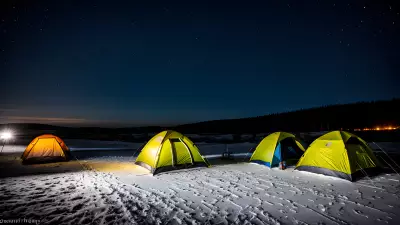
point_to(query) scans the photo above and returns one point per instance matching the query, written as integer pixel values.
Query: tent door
(180, 152)
(190, 153)
(290, 151)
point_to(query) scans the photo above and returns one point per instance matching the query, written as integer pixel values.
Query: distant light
(6, 135)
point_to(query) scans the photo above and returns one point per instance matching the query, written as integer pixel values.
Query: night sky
(125, 63)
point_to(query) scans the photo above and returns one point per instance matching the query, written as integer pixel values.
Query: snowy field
(112, 190)
(205, 148)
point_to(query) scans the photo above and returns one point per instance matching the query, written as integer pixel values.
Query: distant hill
(27, 131)
(331, 117)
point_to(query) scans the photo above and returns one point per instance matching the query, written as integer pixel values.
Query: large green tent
(338, 154)
(278, 147)
(170, 150)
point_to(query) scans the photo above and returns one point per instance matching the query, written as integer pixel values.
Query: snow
(116, 191)
(106, 187)
(13, 148)
(224, 137)
(209, 148)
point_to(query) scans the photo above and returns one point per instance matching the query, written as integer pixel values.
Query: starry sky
(136, 63)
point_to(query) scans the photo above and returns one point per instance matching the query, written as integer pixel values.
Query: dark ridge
(330, 117)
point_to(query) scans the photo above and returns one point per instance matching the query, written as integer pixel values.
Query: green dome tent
(277, 147)
(338, 154)
(170, 150)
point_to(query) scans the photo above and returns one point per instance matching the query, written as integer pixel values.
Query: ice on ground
(12, 148)
(117, 192)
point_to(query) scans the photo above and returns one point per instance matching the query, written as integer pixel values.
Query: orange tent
(46, 148)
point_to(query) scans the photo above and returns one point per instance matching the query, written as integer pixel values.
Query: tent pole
(173, 153)
(386, 154)
(2, 147)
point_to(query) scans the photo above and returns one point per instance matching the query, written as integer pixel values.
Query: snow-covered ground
(118, 192)
(108, 189)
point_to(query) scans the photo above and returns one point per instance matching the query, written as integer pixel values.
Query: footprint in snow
(358, 212)
(322, 207)
(71, 187)
(77, 198)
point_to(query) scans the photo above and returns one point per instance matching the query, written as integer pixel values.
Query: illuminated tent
(277, 147)
(338, 154)
(46, 148)
(170, 150)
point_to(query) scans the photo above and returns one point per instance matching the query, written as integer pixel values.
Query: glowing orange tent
(46, 148)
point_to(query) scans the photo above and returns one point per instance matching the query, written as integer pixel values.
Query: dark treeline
(333, 117)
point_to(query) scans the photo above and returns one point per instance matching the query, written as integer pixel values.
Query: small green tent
(338, 154)
(170, 150)
(277, 147)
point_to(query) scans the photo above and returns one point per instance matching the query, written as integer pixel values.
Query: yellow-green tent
(277, 147)
(338, 154)
(170, 150)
